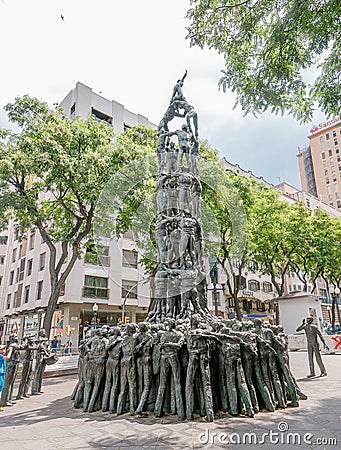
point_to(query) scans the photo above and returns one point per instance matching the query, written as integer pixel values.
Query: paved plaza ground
(49, 421)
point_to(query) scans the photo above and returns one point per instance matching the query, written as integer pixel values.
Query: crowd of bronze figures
(36, 355)
(186, 366)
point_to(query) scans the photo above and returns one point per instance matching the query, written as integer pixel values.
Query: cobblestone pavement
(50, 422)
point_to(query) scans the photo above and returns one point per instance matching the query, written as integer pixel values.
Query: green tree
(267, 45)
(52, 172)
(277, 239)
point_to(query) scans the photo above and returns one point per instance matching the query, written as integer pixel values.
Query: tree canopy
(267, 45)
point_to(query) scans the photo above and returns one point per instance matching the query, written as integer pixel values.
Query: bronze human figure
(11, 372)
(312, 333)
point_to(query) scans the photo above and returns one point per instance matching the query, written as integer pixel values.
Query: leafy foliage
(267, 45)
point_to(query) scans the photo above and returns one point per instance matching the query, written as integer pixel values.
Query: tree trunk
(51, 307)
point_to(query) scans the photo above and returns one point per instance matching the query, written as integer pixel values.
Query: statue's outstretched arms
(301, 327)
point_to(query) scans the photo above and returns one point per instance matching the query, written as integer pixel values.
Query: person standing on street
(4, 356)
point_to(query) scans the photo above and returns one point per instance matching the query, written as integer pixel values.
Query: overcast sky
(133, 52)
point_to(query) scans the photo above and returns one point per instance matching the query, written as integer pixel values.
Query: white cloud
(134, 52)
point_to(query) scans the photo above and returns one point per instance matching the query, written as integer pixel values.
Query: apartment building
(114, 280)
(320, 163)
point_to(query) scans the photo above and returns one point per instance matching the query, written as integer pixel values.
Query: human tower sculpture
(183, 360)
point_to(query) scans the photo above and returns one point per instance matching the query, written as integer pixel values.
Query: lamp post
(335, 295)
(214, 280)
(95, 309)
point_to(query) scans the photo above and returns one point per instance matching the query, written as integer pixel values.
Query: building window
(101, 117)
(97, 255)
(307, 201)
(334, 178)
(329, 189)
(336, 187)
(267, 287)
(334, 133)
(252, 266)
(129, 258)
(338, 158)
(2, 259)
(321, 139)
(11, 278)
(339, 204)
(1, 281)
(17, 275)
(29, 267)
(22, 269)
(253, 285)
(126, 127)
(337, 151)
(327, 181)
(330, 197)
(42, 261)
(327, 136)
(331, 160)
(326, 172)
(129, 289)
(333, 169)
(14, 254)
(31, 241)
(73, 111)
(39, 289)
(323, 155)
(95, 287)
(128, 234)
(9, 297)
(336, 142)
(337, 195)
(3, 240)
(330, 153)
(26, 294)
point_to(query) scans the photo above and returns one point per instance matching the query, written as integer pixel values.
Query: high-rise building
(320, 163)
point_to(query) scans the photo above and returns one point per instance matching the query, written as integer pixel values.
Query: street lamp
(214, 280)
(335, 294)
(95, 309)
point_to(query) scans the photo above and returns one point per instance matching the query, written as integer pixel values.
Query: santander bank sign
(320, 126)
